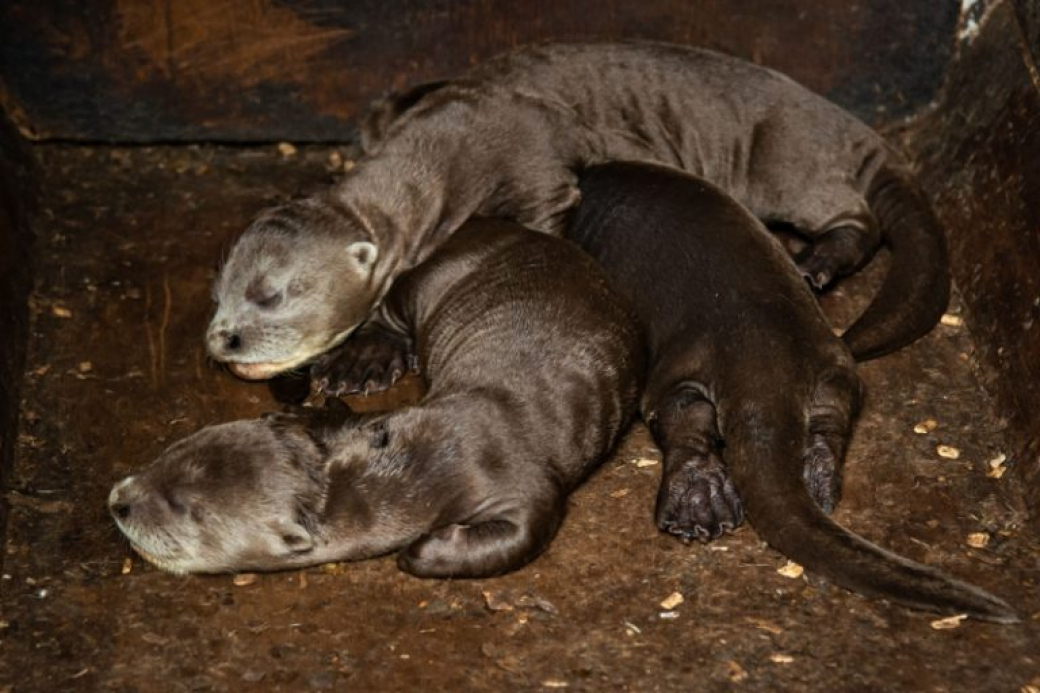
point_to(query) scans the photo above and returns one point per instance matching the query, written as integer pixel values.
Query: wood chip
(620, 493)
(949, 623)
(128, 565)
(926, 426)
(997, 466)
(668, 615)
(554, 683)
(61, 312)
(948, 451)
(791, 570)
(244, 579)
(781, 658)
(671, 601)
(85, 366)
(645, 462)
(951, 320)
(736, 673)
(766, 626)
(286, 149)
(497, 601)
(978, 540)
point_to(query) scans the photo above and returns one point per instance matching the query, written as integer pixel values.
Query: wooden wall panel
(979, 154)
(146, 70)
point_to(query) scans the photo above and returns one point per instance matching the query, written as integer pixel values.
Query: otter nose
(118, 503)
(224, 342)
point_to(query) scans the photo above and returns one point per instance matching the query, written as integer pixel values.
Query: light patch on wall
(971, 18)
(247, 41)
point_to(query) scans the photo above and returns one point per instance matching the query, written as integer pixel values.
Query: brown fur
(534, 368)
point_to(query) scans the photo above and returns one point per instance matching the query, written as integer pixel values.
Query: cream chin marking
(269, 369)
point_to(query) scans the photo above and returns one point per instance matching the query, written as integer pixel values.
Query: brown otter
(505, 140)
(534, 368)
(740, 355)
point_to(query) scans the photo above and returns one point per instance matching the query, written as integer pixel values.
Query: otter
(534, 367)
(748, 389)
(506, 138)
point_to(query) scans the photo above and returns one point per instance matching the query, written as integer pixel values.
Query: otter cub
(740, 353)
(505, 140)
(534, 368)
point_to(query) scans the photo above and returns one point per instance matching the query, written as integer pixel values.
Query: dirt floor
(127, 244)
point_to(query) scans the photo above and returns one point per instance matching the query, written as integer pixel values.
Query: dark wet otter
(534, 368)
(740, 355)
(505, 140)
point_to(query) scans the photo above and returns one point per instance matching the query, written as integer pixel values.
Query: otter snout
(130, 501)
(224, 343)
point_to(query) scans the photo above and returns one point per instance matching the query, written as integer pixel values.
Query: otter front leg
(697, 499)
(372, 359)
(484, 548)
(838, 251)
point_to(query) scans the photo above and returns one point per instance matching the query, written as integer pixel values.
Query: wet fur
(471, 482)
(748, 389)
(506, 138)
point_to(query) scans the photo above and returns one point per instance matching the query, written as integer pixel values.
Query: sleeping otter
(505, 140)
(749, 394)
(534, 368)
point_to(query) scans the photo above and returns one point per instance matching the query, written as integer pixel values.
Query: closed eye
(269, 300)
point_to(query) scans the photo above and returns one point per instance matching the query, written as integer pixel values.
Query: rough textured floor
(128, 240)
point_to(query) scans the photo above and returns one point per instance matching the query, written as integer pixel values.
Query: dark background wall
(15, 283)
(147, 70)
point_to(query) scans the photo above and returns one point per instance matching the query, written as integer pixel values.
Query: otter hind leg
(482, 549)
(697, 499)
(372, 359)
(835, 403)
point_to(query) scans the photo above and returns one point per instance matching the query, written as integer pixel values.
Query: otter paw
(822, 474)
(369, 361)
(697, 499)
(816, 266)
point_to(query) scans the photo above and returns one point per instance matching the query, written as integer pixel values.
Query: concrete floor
(127, 243)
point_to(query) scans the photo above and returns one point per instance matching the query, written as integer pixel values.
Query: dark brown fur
(534, 368)
(741, 356)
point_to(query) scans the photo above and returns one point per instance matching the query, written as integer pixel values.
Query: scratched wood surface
(978, 153)
(261, 70)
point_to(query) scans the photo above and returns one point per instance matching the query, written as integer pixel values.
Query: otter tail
(916, 290)
(766, 462)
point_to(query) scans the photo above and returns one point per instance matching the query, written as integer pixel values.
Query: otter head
(245, 495)
(295, 284)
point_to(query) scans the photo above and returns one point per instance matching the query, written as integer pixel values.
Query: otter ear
(294, 536)
(364, 254)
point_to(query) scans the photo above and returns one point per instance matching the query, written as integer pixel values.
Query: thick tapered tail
(916, 289)
(765, 461)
